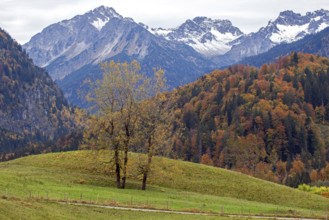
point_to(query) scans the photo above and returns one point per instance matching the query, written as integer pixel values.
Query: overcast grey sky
(25, 18)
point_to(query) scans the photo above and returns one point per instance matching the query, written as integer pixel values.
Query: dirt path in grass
(186, 213)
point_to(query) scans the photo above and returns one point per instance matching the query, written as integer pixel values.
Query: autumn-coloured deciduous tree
(152, 127)
(206, 158)
(118, 96)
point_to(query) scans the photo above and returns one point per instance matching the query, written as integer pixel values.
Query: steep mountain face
(207, 36)
(68, 38)
(33, 109)
(287, 28)
(314, 43)
(74, 48)
(260, 121)
(68, 45)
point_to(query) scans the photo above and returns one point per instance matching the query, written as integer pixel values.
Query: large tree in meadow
(122, 98)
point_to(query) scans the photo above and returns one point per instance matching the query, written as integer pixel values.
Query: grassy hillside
(175, 185)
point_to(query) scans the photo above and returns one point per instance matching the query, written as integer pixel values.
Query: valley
(105, 117)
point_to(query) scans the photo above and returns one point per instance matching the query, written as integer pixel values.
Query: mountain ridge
(207, 36)
(314, 43)
(286, 28)
(79, 47)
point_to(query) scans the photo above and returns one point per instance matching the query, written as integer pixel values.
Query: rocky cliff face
(32, 108)
(70, 44)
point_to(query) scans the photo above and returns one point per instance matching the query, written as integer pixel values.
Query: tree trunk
(117, 166)
(124, 171)
(199, 142)
(144, 180)
(125, 157)
(149, 161)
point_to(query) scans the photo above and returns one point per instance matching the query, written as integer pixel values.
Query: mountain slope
(287, 28)
(78, 45)
(207, 36)
(91, 173)
(315, 44)
(32, 108)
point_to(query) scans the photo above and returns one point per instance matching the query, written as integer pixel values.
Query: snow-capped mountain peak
(290, 26)
(97, 17)
(207, 36)
(101, 15)
(71, 38)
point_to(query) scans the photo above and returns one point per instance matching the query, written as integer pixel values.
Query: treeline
(260, 121)
(13, 145)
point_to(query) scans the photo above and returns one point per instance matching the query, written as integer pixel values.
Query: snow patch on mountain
(100, 23)
(217, 43)
(289, 33)
(317, 18)
(160, 31)
(322, 27)
(292, 26)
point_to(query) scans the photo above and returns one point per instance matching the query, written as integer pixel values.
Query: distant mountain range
(72, 49)
(287, 28)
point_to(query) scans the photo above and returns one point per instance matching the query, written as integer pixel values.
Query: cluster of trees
(14, 145)
(322, 190)
(260, 121)
(131, 115)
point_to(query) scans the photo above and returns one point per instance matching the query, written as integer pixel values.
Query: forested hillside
(263, 122)
(34, 113)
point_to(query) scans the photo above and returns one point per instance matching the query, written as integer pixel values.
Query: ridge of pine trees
(260, 121)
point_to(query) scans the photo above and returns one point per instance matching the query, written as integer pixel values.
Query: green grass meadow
(31, 186)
